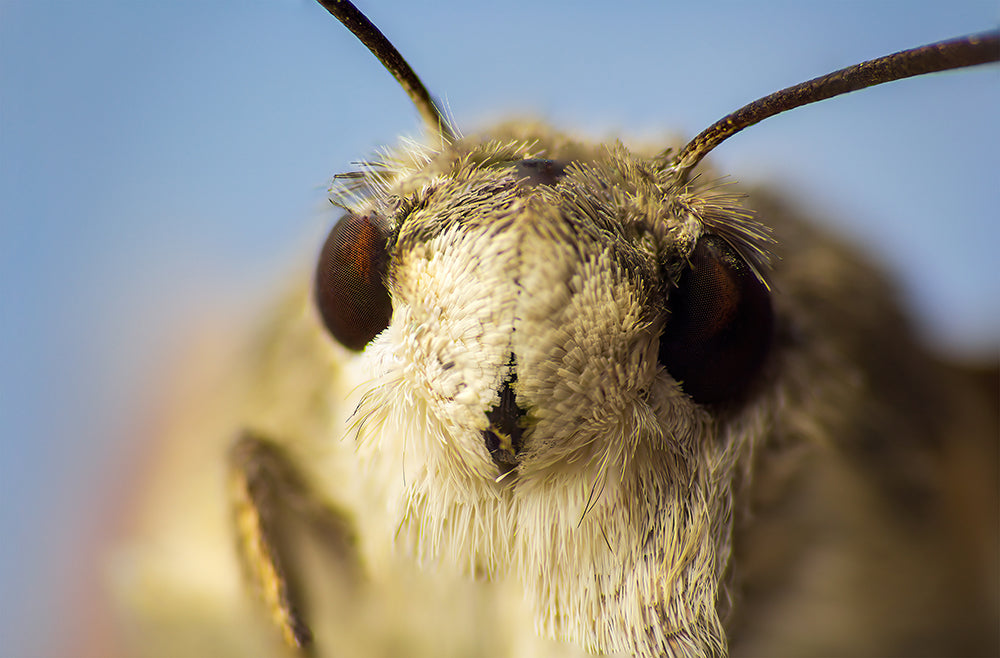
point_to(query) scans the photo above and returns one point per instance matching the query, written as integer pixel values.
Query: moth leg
(269, 496)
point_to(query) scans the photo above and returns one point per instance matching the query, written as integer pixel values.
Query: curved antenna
(382, 48)
(940, 56)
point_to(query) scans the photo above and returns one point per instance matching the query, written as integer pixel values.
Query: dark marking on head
(504, 436)
(539, 171)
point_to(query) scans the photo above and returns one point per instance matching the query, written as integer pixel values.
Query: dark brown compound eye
(350, 281)
(719, 329)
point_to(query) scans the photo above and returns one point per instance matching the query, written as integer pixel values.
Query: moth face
(547, 336)
(529, 316)
(530, 339)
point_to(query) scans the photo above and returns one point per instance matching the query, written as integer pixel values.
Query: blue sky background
(163, 160)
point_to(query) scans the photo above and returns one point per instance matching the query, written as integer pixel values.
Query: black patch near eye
(350, 281)
(538, 171)
(720, 324)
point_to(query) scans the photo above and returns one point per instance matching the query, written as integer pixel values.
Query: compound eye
(350, 281)
(720, 324)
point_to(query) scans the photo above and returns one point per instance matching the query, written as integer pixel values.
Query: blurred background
(164, 163)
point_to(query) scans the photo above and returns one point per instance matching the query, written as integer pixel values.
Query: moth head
(565, 344)
(703, 252)
(720, 311)
(559, 334)
(435, 257)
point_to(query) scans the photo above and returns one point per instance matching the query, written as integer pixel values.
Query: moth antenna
(941, 56)
(382, 48)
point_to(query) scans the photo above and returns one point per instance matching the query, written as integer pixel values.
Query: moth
(551, 397)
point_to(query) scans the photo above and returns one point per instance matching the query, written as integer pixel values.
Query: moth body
(624, 517)
(543, 396)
